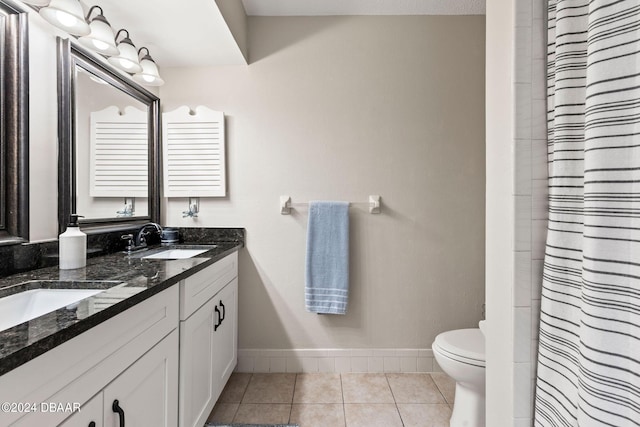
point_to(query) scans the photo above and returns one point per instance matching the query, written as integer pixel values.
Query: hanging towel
(327, 261)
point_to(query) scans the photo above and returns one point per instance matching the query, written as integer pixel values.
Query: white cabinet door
(196, 366)
(90, 412)
(209, 348)
(146, 394)
(225, 336)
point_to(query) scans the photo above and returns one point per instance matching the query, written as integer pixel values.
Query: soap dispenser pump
(73, 246)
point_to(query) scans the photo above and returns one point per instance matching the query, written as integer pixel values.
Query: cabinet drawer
(199, 288)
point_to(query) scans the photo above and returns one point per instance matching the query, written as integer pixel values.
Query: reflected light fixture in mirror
(127, 58)
(66, 15)
(92, 76)
(149, 75)
(39, 3)
(101, 38)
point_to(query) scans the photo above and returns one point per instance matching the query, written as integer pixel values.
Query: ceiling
(176, 35)
(197, 35)
(363, 7)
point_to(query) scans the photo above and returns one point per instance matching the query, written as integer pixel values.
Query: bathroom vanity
(155, 346)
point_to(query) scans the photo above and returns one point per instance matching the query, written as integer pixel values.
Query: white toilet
(460, 354)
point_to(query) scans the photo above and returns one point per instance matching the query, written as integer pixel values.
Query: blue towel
(327, 261)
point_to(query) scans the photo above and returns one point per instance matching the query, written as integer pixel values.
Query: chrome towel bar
(286, 204)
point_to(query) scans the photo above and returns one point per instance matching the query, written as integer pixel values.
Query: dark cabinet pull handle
(218, 319)
(223, 311)
(92, 424)
(117, 409)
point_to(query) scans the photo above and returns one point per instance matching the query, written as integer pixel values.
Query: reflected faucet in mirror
(128, 209)
(194, 208)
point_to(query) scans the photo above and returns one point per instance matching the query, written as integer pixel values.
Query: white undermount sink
(27, 305)
(176, 254)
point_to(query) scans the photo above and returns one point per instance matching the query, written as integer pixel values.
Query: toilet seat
(462, 345)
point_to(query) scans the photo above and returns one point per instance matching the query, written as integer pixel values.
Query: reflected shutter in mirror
(119, 153)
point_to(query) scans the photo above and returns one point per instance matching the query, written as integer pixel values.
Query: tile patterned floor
(337, 400)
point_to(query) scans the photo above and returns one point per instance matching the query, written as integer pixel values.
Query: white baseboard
(336, 360)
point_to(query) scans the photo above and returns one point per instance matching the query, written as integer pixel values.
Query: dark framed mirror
(109, 144)
(14, 124)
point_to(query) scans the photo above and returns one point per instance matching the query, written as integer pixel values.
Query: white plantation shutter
(194, 153)
(119, 153)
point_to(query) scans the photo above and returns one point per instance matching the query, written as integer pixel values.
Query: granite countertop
(123, 281)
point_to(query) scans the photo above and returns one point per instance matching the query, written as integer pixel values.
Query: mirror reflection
(112, 150)
(109, 143)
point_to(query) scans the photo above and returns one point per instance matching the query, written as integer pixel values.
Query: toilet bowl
(460, 354)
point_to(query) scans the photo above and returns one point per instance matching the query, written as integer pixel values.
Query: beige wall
(341, 108)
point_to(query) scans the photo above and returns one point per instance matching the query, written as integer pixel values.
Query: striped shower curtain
(589, 355)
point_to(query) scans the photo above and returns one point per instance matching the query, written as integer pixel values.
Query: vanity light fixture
(127, 57)
(149, 75)
(66, 15)
(101, 38)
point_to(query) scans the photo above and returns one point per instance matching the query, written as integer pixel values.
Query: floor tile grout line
(395, 402)
(295, 383)
(439, 391)
(344, 409)
(246, 387)
(390, 388)
(235, 413)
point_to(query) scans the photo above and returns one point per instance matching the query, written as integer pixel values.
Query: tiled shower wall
(530, 197)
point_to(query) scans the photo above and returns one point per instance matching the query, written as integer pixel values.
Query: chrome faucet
(140, 240)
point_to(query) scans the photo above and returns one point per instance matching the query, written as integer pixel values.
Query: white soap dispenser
(73, 246)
